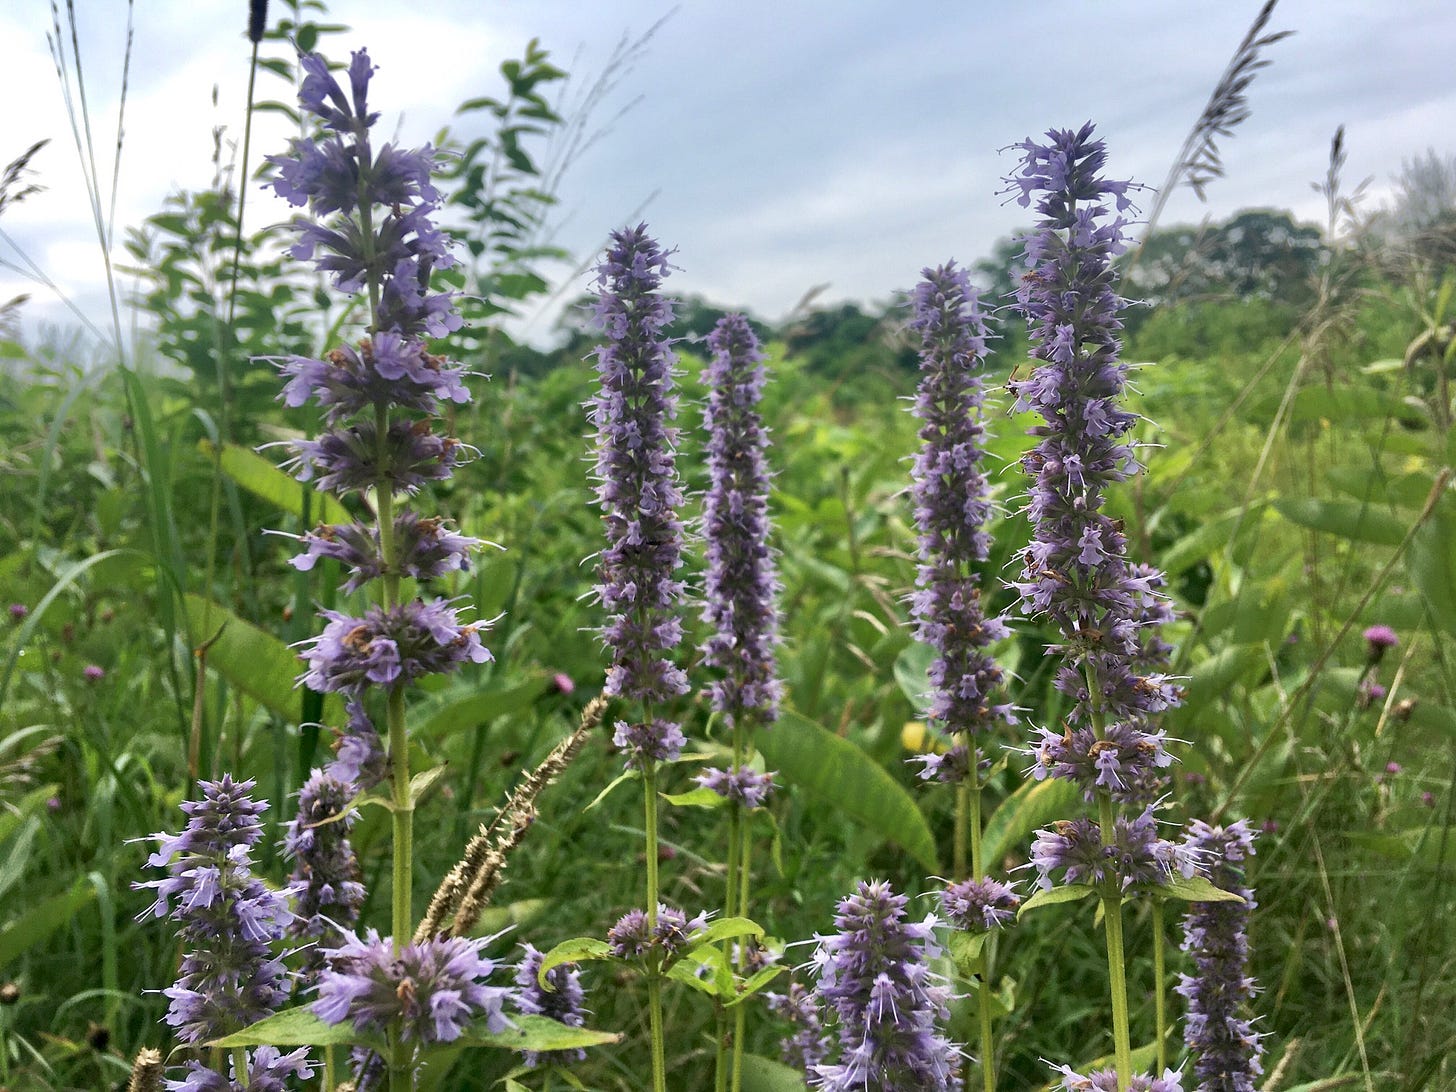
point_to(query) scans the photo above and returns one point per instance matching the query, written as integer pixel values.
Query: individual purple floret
(1137, 856)
(949, 767)
(428, 991)
(389, 647)
(638, 488)
(226, 918)
(952, 506)
(979, 905)
(426, 549)
(563, 1001)
(809, 1045)
(874, 972)
(1105, 1080)
(744, 784)
(740, 583)
(325, 869)
(634, 937)
(268, 1071)
(360, 757)
(1225, 1046)
(1075, 571)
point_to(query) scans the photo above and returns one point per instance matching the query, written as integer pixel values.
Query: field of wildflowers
(672, 719)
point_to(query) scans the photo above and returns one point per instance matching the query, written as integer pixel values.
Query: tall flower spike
(638, 488)
(875, 973)
(1075, 571)
(563, 1002)
(325, 870)
(1226, 1048)
(952, 506)
(226, 918)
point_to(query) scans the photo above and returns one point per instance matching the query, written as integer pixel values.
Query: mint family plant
(877, 1012)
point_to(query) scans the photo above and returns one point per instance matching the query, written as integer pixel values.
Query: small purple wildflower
(1226, 1047)
(268, 1071)
(638, 488)
(389, 647)
(666, 939)
(979, 905)
(429, 992)
(562, 999)
(226, 918)
(1105, 1080)
(874, 972)
(744, 784)
(952, 507)
(386, 369)
(1136, 857)
(1368, 694)
(426, 549)
(360, 757)
(348, 459)
(809, 1045)
(18, 612)
(740, 583)
(93, 673)
(326, 871)
(1378, 641)
(563, 683)
(949, 767)
(655, 741)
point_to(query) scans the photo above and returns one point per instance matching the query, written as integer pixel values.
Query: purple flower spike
(430, 992)
(563, 1002)
(426, 549)
(389, 647)
(268, 1071)
(360, 758)
(978, 906)
(744, 784)
(1105, 1080)
(1075, 571)
(809, 1045)
(952, 505)
(1226, 1048)
(226, 918)
(638, 488)
(874, 972)
(326, 871)
(385, 370)
(1137, 856)
(740, 583)
(633, 937)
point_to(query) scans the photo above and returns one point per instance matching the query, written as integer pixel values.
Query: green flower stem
(240, 1066)
(1116, 956)
(735, 896)
(740, 1012)
(654, 977)
(654, 1013)
(968, 801)
(962, 822)
(1160, 1000)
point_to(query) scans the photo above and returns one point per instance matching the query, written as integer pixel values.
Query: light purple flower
(1073, 851)
(652, 741)
(809, 1045)
(326, 871)
(563, 1001)
(93, 672)
(425, 547)
(1379, 640)
(389, 647)
(350, 458)
(18, 612)
(1105, 1080)
(384, 370)
(744, 784)
(673, 933)
(360, 758)
(979, 905)
(268, 1071)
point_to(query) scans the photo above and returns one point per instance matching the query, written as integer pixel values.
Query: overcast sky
(778, 145)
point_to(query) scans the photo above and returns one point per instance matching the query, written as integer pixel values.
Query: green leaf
(42, 919)
(1030, 807)
(755, 983)
(762, 1074)
(261, 478)
(726, 929)
(912, 669)
(1347, 519)
(291, 1027)
(965, 951)
(539, 1034)
(257, 663)
(1210, 537)
(1191, 889)
(476, 708)
(1431, 561)
(620, 779)
(1213, 678)
(838, 773)
(1072, 892)
(575, 950)
(698, 798)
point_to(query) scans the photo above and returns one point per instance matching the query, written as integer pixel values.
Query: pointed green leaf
(762, 1074)
(1029, 808)
(697, 798)
(539, 1034)
(291, 1027)
(840, 774)
(1347, 519)
(1212, 678)
(261, 478)
(1431, 560)
(755, 983)
(726, 929)
(1072, 892)
(965, 951)
(620, 779)
(1191, 889)
(475, 708)
(575, 950)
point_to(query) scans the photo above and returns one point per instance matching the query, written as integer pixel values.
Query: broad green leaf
(840, 774)
(1317, 403)
(1347, 519)
(539, 1034)
(476, 708)
(965, 951)
(291, 1027)
(1191, 889)
(1029, 808)
(1431, 561)
(697, 798)
(256, 662)
(762, 1074)
(41, 920)
(575, 950)
(261, 478)
(1072, 892)
(726, 929)
(912, 669)
(755, 983)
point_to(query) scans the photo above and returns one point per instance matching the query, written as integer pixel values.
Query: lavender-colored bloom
(740, 582)
(978, 906)
(634, 937)
(430, 991)
(1126, 761)
(348, 459)
(1075, 569)
(360, 758)
(268, 1071)
(18, 612)
(326, 871)
(952, 506)
(650, 742)
(638, 487)
(950, 767)
(226, 918)
(562, 999)
(875, 974)
(809, 1045)
(426, 549)
(1136, 857)
(93, 672)
(1105, 1080)
(389, 647)
(385, 370)
(1378, 640)
(1368, 694)
(1226, 1048)
(743, 784)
